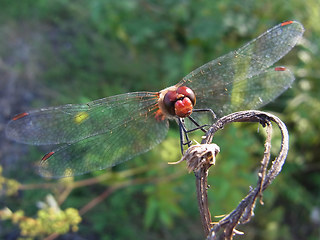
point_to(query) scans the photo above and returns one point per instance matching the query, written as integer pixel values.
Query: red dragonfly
(111, 130)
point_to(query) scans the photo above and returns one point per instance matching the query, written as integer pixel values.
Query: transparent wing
(73, 122)
(92, 136)
(125, 141)
(238, 81)
(251, 93)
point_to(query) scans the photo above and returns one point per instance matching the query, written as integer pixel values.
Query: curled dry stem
(201, 157)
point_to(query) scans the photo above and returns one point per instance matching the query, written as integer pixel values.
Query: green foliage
(50, 220)
(162, 205)
(62, 51)
(8, 187)
(228, 189)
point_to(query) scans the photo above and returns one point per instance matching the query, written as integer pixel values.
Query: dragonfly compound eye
(187, 92)
(169, 100)
(179, 102)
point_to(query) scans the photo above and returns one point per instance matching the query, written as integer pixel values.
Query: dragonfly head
(179, 102)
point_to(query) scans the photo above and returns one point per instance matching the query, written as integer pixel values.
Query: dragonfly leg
(183, 134)
(198, 126)
(206, 110)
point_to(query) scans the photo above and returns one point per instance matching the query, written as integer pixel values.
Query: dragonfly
(111, 130)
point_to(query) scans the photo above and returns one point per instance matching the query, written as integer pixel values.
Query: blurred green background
(63, 51)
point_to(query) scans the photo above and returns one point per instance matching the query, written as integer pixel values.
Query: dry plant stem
(244, 210)
(202, 184)
(265, 160)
